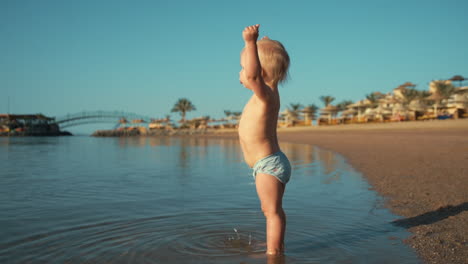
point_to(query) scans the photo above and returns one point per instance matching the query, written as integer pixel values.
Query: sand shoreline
(421, 168)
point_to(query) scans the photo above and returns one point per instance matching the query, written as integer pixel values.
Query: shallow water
(180, 200)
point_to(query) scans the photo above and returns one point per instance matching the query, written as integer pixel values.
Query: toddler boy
(265, 65)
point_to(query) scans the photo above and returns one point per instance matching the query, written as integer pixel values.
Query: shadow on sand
(432, 217)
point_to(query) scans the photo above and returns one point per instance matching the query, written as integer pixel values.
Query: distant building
(28, 125)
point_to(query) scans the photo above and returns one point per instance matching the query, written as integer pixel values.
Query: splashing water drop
(238, 236)
(250, 239)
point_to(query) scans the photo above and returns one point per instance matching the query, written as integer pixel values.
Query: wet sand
(421, 168)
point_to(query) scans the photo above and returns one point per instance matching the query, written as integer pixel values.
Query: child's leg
(270, 191)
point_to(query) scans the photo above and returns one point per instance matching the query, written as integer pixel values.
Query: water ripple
(81, 200)
(187, 234)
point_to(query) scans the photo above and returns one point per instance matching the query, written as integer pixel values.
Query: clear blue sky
(66, 56)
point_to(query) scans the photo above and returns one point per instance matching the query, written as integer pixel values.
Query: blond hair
(274, 60)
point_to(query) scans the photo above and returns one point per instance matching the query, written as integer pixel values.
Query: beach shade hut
(380, 111)
(309, 113)
(199, 122)
(234, 119)
(360, 106)
(349, 112)
(138, 121)
(408, 84)
(288, 116)
(156, 124)
(458, 78)
(418, 105)
(330, 110)
(436, 97)
(217, 123)
(347, 115)
(390, 100)
(386, 103)
(370, 113)
(122, 122)
(399, 111)
(386, 111)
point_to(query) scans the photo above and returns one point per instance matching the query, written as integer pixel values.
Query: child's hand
(250, 33)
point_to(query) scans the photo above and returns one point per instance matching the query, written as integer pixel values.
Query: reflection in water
(189, 146)
(306, 157)
(299, 154)
(178, 200)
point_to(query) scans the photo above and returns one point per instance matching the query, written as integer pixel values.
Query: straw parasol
(435, 97)
(408, 84)
(458, 78)
(288, 115)
(383, 110)
(348, 112)
(390, 100)
(359, 106)
(138, 121)
(371, 111)
(417, 106)
(330, 110)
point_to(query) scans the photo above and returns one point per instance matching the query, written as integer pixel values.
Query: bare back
(257, 127)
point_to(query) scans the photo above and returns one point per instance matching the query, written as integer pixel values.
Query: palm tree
(237, 114)
(327, 99)
(409, 94)
(374, 98)
(343, 105)
(309, 112)
(444, 89)
(183, 105)
(418, 97)
(227, 113)
(421, 97)
(294, 110)
(423, 94)
(231, 115)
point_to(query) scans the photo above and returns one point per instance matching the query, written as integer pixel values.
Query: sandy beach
(421, 168)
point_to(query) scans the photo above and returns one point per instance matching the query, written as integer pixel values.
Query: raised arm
(252, 68)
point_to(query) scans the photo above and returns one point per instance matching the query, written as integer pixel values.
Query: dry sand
(420, 167)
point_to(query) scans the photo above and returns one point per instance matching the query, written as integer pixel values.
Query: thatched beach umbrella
(387, 100)
(399, 109)
(418, 106)
(330, 110)
(436, 97)
(370, 112)
(138, 121)
(348, 112)
(359, 106)
(458, 78)
(382, 110)
(288, 116)
(408, 84)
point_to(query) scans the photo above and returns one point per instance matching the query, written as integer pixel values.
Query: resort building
(28, 125)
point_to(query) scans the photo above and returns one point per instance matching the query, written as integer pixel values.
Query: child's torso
(257, 128)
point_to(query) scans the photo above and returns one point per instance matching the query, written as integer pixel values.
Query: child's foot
(275, 253)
